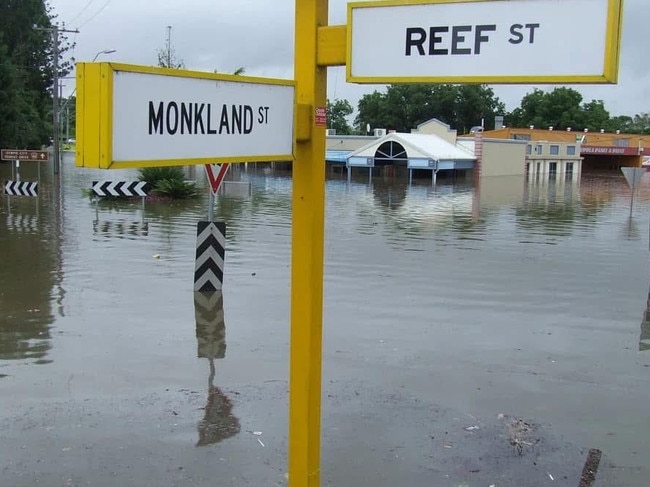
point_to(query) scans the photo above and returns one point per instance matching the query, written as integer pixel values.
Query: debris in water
(519, 434)
(260, 442)
(550, 476)
(257, 433)
(471, 428)
(157, 256)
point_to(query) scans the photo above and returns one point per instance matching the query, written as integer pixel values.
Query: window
(570, 150)
(621, 142)
(527, 167)
(520, 136)
(555, 150)
(539, 167)
(552, 169)
(529, 149)
(568, 169)
(539, 149)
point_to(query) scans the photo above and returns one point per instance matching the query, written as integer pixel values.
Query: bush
(168, 181)
(173, 188)
(153, 175)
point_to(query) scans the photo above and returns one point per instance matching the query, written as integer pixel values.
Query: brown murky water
(447, 312)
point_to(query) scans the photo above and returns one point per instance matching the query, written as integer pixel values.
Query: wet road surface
(470, 338)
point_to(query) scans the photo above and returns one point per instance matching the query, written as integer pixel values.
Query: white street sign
(633, 176)
(163, 117)
(496, 41)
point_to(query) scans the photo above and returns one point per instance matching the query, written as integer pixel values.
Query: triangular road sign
(216, 174)
(633, 176)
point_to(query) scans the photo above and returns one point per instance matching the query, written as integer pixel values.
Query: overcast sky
(258, 35)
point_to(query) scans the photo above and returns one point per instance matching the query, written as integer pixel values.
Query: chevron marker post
(120, 188)
(21, 188)
(210, 256)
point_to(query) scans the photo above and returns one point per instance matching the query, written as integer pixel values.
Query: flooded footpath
(472, 336)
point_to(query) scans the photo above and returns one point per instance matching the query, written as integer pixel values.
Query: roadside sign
(23, 155)
(484, 41)
(138, 116)
(216, 173)
(120, 188)
(633, 176)
(21, 188)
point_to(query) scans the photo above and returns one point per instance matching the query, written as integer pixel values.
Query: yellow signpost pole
(307, 250)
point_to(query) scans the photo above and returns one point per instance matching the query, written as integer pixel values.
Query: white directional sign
(633, 176)
(486, 41)
(134, 116)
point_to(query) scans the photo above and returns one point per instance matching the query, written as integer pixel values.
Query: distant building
(599, 150)
(431, 147)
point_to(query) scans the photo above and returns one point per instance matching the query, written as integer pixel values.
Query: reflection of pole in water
(644, 339)
(218, 422)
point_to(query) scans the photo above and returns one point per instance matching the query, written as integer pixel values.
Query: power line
(81, 12)
(96, 13)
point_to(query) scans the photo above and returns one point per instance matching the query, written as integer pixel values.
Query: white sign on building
(170, 117)
(486, 41)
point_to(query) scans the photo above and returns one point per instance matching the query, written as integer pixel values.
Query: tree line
(27, 69)
(403, 107)
(27, 72)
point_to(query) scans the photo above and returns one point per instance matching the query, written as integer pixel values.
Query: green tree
(26, 71)
(167, 59)
(641, 123)
(337, 111)
(562, 108)
(596, 117)
(405, 106)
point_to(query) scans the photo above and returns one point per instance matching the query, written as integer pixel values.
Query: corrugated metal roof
(419, 145)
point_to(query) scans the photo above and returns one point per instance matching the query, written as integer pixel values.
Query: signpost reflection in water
(218, 422)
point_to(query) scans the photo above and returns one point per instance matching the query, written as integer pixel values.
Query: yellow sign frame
(94, 144)
(611, 61)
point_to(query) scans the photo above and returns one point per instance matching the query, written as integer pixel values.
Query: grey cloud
(258, 35)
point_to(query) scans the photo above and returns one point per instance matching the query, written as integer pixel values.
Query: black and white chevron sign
(210, 254)
(120, 188)
(21, 188)
(210, 325)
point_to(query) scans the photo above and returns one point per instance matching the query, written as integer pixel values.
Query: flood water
(449, 313)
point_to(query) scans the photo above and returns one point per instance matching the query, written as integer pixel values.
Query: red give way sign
(216, 174)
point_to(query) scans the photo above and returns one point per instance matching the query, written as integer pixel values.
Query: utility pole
(169, 46)
(56, 116)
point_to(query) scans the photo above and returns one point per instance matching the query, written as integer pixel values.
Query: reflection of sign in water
(120, 229)
(22, 223)
(210, 325)
(218, 422)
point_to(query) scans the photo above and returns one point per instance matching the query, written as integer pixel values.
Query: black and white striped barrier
(120, 188)
(210, 255)
(21, 188)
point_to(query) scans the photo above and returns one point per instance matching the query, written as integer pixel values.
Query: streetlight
(107, 51)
